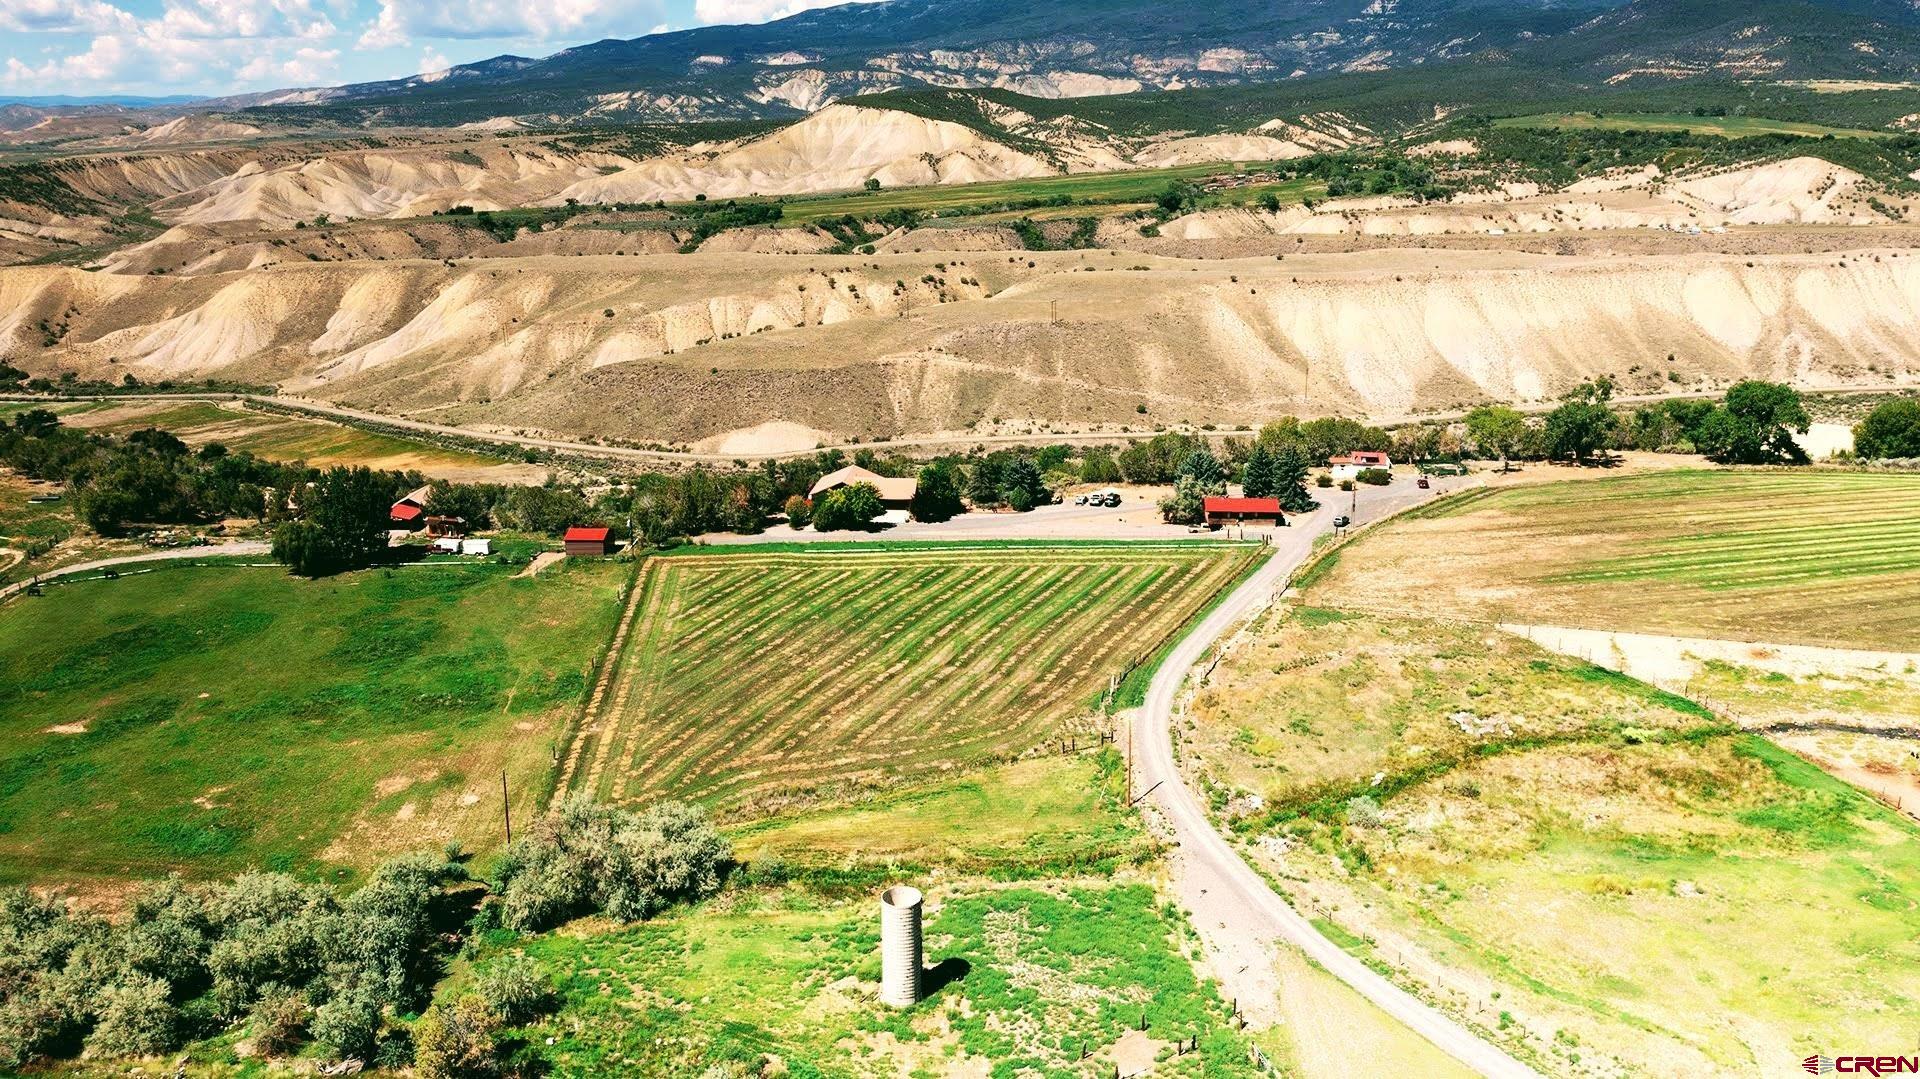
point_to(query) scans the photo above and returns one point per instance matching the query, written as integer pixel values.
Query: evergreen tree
(1204, 469)
(1258, 479)
(1290, 481)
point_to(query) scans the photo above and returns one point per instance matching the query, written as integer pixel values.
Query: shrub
(1378, 477)
(278, 1024)
(136, 1018)
(515, 989)
(587, 858)
(346, 1027)
(457, 1041)
(799, 511)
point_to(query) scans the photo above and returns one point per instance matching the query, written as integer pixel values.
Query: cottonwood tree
(1496, 431)
(1892, 429)
(1756, 425)
(340, 523)
(937, 497)
(1585, 424)
(843, 508)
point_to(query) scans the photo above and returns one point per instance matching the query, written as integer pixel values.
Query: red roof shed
(588, 541)
(1219, 508)
(406, 512)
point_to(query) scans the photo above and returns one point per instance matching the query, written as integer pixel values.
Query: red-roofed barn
(588, 541)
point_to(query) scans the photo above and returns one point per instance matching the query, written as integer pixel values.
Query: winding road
(215, 550)
(1230, 902)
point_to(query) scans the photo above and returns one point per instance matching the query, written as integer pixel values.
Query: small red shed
(588, 541)
(1220, 509)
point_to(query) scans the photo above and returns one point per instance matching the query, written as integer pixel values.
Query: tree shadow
(942, 974)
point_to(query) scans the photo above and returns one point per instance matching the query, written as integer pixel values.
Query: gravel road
(1240, 918)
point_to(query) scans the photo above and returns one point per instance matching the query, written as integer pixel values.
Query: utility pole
(506, 807)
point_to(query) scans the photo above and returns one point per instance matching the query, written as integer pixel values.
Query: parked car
(1341, 521)
(1422, 483)
(1079, 500)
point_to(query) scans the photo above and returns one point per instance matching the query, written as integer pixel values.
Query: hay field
(762, 674)
(1811, 556)
(209, 719)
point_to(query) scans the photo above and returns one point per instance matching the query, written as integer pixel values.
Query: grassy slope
(1579, 842)
(286, 438)
(1055, 811)
(241, 717)
(783, 973)
(1810, 556)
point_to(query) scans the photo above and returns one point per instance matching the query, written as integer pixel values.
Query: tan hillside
(700, 345)
(841, 146)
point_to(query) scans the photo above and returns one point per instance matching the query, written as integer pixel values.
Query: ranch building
(1347, 466)
(895, 494)
(588, 542)
(1222, 510)
(410, 513)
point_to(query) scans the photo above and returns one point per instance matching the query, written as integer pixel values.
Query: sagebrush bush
(515, 989)
(278, 1024)
(588, 858)
(192, 958)
(457, 1040)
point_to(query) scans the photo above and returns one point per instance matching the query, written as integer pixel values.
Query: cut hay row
(746, 676)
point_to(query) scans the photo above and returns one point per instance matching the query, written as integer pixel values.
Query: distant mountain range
(1080, 48)
(127, 100)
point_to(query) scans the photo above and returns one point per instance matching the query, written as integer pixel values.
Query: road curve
(1235, 897)
(216, 550)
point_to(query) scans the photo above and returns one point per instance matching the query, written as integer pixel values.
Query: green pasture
(212, 718)
(1022, 982)
(1813, 556)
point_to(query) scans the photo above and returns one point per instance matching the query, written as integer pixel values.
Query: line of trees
(1753, 424)
(151, 477)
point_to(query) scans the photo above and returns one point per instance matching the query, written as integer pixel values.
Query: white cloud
(401, 20)
(64, 16)
(304, 68)
(738, 11)
(202, 44)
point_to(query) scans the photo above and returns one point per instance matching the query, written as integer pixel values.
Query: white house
(1348, 466)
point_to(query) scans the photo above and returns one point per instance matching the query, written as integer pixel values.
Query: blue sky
(210, 47)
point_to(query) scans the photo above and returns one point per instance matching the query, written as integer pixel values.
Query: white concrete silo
(900, 946)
